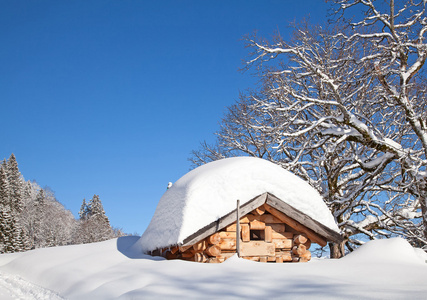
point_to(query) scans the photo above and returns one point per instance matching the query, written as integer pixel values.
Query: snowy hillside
(382, 269)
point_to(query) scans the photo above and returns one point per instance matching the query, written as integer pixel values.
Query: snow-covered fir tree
(84, 210)
(94, 225)
(15, 184)
(10, 231)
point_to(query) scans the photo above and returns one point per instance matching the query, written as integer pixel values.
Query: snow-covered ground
(382, 269)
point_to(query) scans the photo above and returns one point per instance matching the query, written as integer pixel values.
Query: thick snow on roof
(210, 191)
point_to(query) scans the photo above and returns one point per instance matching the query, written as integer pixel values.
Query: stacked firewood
(264, 238)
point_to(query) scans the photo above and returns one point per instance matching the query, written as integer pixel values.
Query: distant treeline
(31, 217)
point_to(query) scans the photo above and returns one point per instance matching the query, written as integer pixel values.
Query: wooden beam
(258, 211)
(280, 228)
(214, 239)
(282, 235)
(214, 250)
(246, 233)
(200, 246)
(257, 248)
(227, 244)
(225, 220)
(238, 228)
(266, 218)
(297, 226)
(295, 214)
(257, 225)
(306, 256)
(200, 257)
(299, 250)
(227, 235)
(300, 239)
(282, 243)
(268, 234)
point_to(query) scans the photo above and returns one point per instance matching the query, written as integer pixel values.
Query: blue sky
(111, 97)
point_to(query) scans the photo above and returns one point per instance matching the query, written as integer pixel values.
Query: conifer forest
(31, 217)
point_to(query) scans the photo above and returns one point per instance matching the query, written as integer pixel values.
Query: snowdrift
(116, 269)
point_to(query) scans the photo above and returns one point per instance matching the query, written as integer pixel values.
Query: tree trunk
(423, 202)
(337, 249)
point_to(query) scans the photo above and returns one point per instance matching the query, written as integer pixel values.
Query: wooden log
(282, 243)
(188, 254)
(281, 235)
(244, 220)
(271, 258)
(300, 239)
(200, 246)
(174, 249)
(200, 257)
(279, 259)
(238, 239)
(214, 239)
(169, 255)
(213, 260)
(188, 258)
(279, 228)
(253, 258)
(268, 234)
(225, 255)
(306, 256)
(299, 249)
(268, 218)
(257, 225)
(259, 211)
(257, 248)
(231, 227)
(213, 250)
(307, 244)
(287, 256)
(296, 225)
(263, 259)
(227, 244)
(295, 259)
(227, 235)
(246, 233)
(185, 248)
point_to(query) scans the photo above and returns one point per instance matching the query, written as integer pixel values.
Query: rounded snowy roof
(210, 191)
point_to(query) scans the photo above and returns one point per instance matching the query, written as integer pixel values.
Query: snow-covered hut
(279, 216)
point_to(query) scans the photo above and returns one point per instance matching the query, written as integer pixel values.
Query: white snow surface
(117, 269)
(210, 191)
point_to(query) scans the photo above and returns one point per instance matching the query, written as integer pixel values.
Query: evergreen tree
(94, 225)
(4, 187)
(84, 210)
(15, 184)
(100, 225)
(39, 204)
(6, 228)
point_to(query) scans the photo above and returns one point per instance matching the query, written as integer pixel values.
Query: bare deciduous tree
(344, 108)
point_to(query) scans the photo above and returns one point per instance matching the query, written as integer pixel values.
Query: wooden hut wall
(265, 237)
